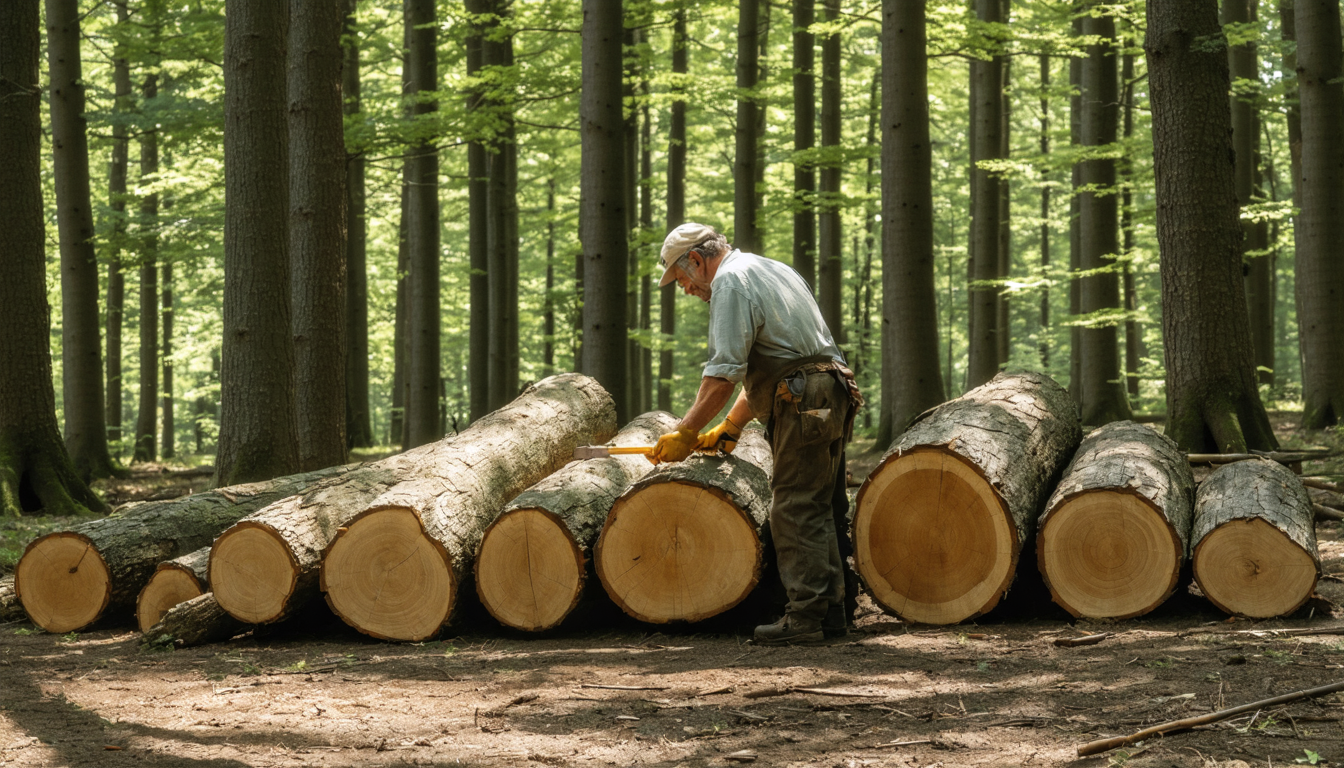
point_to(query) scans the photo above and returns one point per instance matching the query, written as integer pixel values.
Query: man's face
(696, 280)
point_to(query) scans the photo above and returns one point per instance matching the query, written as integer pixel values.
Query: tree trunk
(1044, 343)
(1292, 105)
(682, 521)
(502, 214)
(986, 144)
(863, 290)
(69, 579)
(1255, 540)
(646, 227)
(1103, 386)
(548, 306)
(632, 149)
(1320, 225)
(830, 266)
(911, 380)
(1002, 304)
(1075, 231)
(10, 608)
(1116, 531)
(116, 193)
(422, 401)
(173, 582)
(82, 375)
(145, 420)
(534, 560)
(167, 447)
(745, 233)
(258, 432)
(194, 622)
(1212, 400)
(804, 140)
(602, 216)
(478, 248)
(358, 426)
(940, 523)
(676, 210)
(1134, 347)
(400, 344)
(394, 571)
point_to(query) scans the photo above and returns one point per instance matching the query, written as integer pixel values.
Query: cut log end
(387, 579)
(167, 588)
(529, 572)
(1250, 568)
(253, 573)
(1107, 554)
(934, 542)
(675, 551)
(63, 582)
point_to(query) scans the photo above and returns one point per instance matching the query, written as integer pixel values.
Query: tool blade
(591, 452)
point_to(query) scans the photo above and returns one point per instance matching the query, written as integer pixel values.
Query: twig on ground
(625, 687)
(1075, 642)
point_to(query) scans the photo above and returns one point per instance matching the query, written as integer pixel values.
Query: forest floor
(609, 691)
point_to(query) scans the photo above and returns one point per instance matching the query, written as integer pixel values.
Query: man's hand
(723, 437)
(675, 446)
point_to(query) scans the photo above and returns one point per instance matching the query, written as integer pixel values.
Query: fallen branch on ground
(1074, 642)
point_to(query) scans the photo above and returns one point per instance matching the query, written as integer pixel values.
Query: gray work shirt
(763, 304)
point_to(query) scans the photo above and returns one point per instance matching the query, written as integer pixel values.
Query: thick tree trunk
(194, 622)
(682, 521)
(394, 571)
(1254, 540)
(10, 607)
(1212, 399)
(804, 140)
(632, 39)
(174, 581)
(116, 192)
(940, 523)
(534, 561)
(145, 420)
(986, 144)
(1116, 531)
(71, 578)
(422, 401)
(358, 426)
(167, 424)
(81, 357)
(911, 380)
(478, 237)
(258, 432)
(830, 264)
(745, 233)
(676, 210)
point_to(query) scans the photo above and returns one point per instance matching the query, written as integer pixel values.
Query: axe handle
(626, 450)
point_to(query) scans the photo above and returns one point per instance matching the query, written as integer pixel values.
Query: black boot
(836, 623)
(790, 630)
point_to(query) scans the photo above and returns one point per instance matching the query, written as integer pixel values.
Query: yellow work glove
(674, 446)
(723, 437)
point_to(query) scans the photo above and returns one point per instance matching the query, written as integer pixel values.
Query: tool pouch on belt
(824, 399)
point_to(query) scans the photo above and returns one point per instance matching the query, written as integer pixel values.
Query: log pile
(684, 543)
(174, 581)
(940, 523)
(1116, 531)
(532, 566)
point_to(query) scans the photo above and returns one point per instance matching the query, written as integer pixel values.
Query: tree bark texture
(646, 226)
(1212, 399)
(1319, 232)
(1002, 323)
(478, 238)
(632, 147)
(1044, 344)
(198, 621)
(167, 424)
(602, 215)
(986, 144)
(358, 426)
(745, 233)
(912, 381)
(676, 210)
(1075, 231)
(804, 140)
(423, 371)
(401, 345)
(10, 607)
(502, 218)
(146, 417)
(258, 431)
(82, 376)
(830, 246)
(116, 192)
(1135, 349)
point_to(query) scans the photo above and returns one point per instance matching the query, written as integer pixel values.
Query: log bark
(197, 621)
(10, 608)
(174, 582)
(69, 579)
(533, 564)
(395, 571)
(684, 543)
(1116, 531)
(941, 521)
(1255, 540)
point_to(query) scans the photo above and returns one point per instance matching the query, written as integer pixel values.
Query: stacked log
(940, 523)
(684, 543)
(69, 579)
(193, 622)
(1255, 540)
(395, 570)
(531, 570)
(10, 608)
(174, 581)
(1116, 531)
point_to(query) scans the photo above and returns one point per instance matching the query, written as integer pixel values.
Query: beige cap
(678, 242)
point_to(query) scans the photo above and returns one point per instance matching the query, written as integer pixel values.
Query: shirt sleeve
(732, 332)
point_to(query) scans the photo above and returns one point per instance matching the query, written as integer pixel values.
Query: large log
(940, 523)
(533, 562)
(1116, 531)
(193, 622)
(174, 581)
(69, 579)
(394, 572)
(1255, 540)
(10, 608)
(684, 543)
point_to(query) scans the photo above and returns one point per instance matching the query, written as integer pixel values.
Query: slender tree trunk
(502, 233)
(358, 427)
(258, 431)
(830, 265)
(548, 306)
(1002, 323)
(863, 291)
(422, 402)
(804, 139)
(632, 151)
(1134, 349)
(168, 426)
(602, 216)
(646, 226)
(478, 193)
(1044, 343)
(1075, 232)
(911, 380)
(116, 192)
(1212, 401)
(396, 428)
(1288, 30)
(81, 356)
(145, 420)
(676, 211)
(986, 144)
(745, 233)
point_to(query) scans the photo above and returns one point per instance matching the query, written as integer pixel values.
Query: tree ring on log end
(529, 572)
(1108, 554)
(1247, 567)
(385, 577)
(167, 588)
(252, 573)
(63, 582)
(677, 551)
(933, 541)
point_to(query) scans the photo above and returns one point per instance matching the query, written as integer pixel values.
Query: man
(766, 331)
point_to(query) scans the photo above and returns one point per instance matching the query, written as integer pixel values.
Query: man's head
(691, 255)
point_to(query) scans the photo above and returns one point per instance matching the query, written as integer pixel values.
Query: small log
(69, 579)
(194, 622)
(10, 607)
(533, 563)
(1323, 485)
(684, 543)
(1255, 540)
(174, 581)
(940, 523)
(1323, 512)
(394, 571)
(1116, 531)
